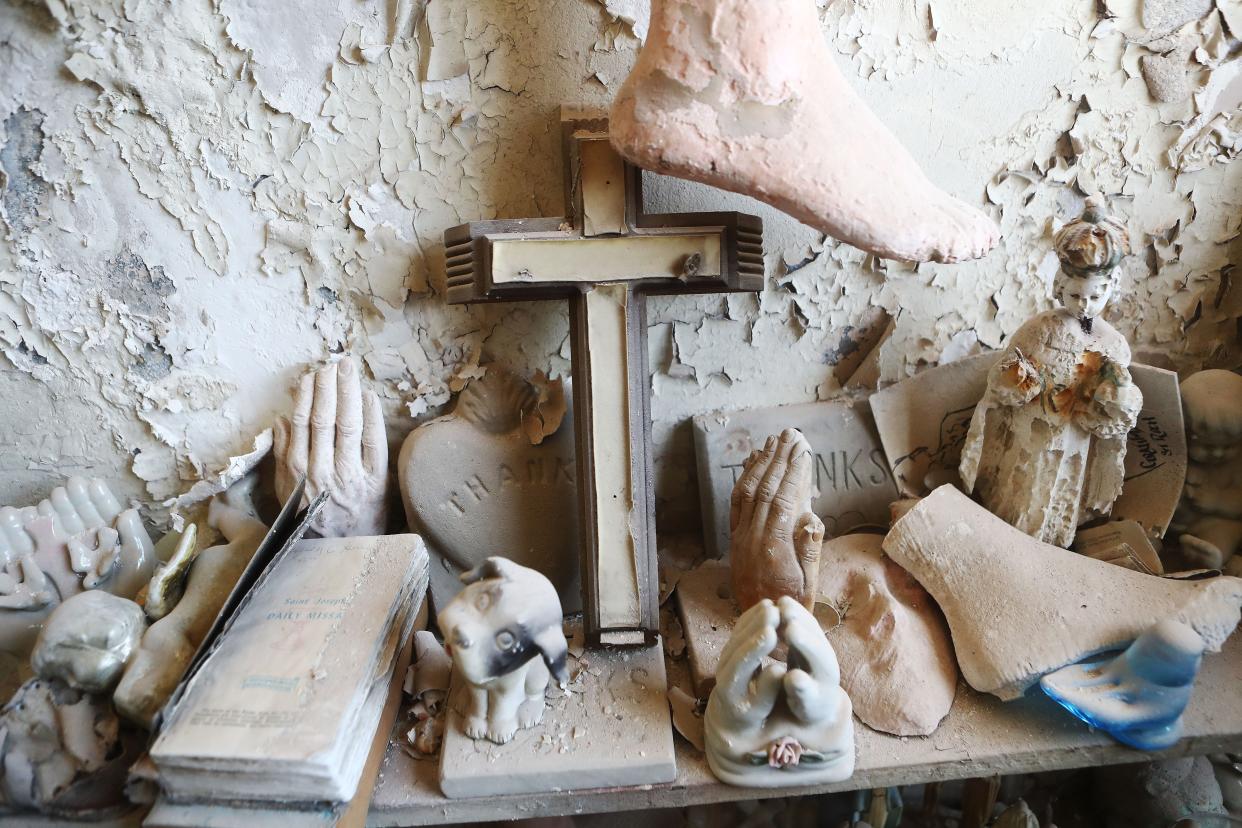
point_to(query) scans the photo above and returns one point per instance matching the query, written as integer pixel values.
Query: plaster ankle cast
(775, 540)
(505, 636)
(747, 97)
(336, 438)
(775, 724)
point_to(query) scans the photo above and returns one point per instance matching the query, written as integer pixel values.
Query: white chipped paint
(200, 199)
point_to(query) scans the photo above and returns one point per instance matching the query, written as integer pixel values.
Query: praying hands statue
(336, 438)
(775, 538)
(775, 724)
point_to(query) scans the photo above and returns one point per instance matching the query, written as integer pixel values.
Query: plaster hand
(1137, 697)
(776, 724)
(747, 97)
(27, 594)
(24, 586)
(775, 538)
(167, 585)
(336, 438)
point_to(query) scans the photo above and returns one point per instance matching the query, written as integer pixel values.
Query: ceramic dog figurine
(504, 634)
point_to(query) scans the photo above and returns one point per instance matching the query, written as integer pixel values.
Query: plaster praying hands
(775, 537)
(1060, 401)
(774, 724)
(336, 438)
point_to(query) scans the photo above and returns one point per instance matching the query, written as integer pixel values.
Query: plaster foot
(745, 96)
(475, 727)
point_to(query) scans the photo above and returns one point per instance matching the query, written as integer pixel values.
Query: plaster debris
(1164, 16)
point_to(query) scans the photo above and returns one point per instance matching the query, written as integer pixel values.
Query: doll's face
(1210, 446)
(1084, 297)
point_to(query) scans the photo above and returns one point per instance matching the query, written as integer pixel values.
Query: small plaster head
(1089, 249)
(1212, 402)
(506, 615)
(88, 641)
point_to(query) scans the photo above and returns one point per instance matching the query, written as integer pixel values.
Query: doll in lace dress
(1047, 442)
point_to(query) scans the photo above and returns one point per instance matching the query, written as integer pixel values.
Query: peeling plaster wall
(198, 200)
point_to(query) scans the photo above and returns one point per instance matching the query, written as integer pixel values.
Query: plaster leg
(476, 711)
(503, 700)
(530, 713)
(745, 96)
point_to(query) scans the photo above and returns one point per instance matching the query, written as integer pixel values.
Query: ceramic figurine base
(610, 729)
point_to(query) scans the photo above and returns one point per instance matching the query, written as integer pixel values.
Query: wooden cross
(605, 257)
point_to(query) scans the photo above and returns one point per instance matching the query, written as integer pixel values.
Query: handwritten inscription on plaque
(1155, 453)
(923, 421)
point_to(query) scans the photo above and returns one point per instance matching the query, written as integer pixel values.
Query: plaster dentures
(746, 97)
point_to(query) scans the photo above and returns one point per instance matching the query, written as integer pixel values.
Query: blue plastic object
(1137, 697)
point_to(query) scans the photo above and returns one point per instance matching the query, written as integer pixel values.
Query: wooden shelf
(980, 737)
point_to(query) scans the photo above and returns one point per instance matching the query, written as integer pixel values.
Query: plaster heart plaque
(495, 477)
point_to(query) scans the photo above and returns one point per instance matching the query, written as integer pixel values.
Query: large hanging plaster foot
(745, 96)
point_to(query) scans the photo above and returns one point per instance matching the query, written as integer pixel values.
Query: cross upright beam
(604, 257)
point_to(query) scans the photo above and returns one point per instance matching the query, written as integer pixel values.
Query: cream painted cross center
(605, 257)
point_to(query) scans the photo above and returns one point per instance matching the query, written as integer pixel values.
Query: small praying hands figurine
(336, 438)
(779, 724)
(1060, 401)
(775, 537)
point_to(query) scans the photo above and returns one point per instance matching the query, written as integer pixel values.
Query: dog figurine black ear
(504, 630)
(493, 567)
(554, 650)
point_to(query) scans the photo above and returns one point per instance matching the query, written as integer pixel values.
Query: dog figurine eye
(505, 640)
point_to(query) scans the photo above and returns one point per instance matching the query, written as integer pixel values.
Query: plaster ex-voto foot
(1019, 609)
(747, 97)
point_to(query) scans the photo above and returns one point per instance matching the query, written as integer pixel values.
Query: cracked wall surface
(200, 198)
